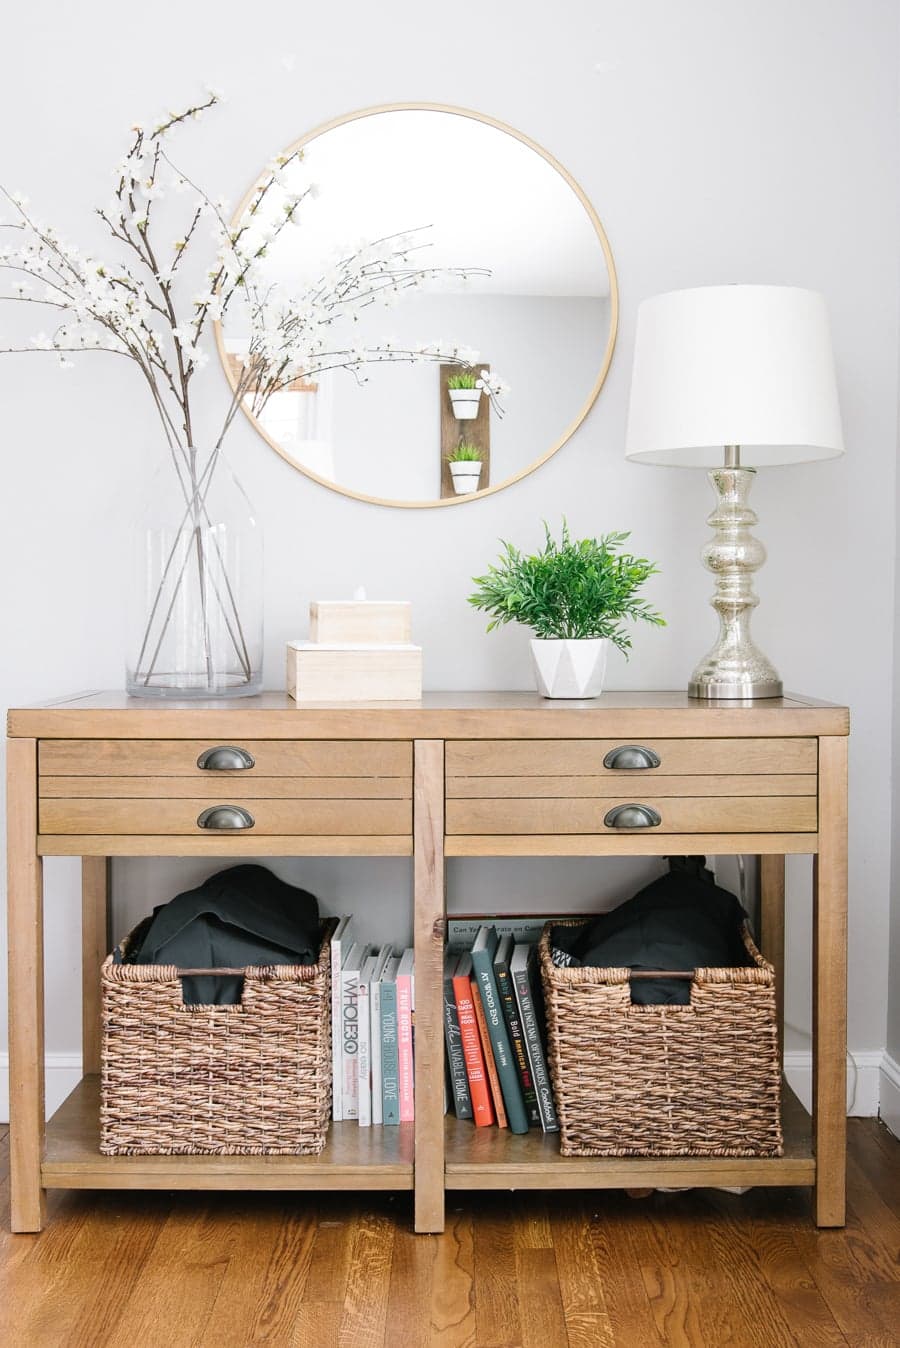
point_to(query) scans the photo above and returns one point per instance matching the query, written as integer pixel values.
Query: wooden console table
(457, 775)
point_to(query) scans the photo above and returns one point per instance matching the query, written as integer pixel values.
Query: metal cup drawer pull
(632, 816)
(225, 817)
(631, 756)
(225, 758)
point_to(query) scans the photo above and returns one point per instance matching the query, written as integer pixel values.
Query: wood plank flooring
(700, 1269)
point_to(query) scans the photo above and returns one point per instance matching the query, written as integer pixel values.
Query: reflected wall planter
(570, 668)
(195, 618)
(465, 402)
(466, 474)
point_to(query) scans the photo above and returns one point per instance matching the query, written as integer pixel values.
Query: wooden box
(317, 672)
(360, 621)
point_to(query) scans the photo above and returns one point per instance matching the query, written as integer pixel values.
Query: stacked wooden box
(359, 650)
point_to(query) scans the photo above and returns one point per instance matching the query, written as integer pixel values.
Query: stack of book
(494, 1026)
(372, 1015)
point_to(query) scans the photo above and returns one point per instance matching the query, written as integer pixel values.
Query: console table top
(438, 715)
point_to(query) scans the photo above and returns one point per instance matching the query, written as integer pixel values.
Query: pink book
(405, 1011)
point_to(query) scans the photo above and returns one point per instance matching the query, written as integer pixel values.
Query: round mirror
(454, 295)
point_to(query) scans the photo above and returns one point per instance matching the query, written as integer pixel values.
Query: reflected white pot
(570, 668)
(466, 475)
(465, 402)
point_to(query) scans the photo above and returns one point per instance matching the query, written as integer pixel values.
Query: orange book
(489, 1063)
(479, 1088)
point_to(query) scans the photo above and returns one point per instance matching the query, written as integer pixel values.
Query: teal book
(483, 952)
(390, 1046)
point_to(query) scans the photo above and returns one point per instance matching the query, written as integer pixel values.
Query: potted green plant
(465, 467)
(464, 389)
(573, 594)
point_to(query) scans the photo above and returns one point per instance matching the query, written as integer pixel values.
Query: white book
(340, 942)
(350, 1029)
(384, 955)
(364, 1041)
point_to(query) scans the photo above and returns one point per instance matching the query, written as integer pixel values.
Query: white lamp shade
(733, 365)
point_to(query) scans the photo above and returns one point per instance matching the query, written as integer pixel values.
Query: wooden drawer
(280, 817)
(292, 787)
(271, 758)
(578, 758)
(498, 787)
(677, 814)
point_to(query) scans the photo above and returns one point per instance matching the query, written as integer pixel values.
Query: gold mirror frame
(613, 299)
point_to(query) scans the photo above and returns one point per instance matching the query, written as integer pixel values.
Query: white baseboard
(864, 1080)
(889, 1102)
(876, 1080)
(62, 1075)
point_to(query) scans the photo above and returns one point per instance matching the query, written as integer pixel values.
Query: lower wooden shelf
(354, 1158)
(493, 1158)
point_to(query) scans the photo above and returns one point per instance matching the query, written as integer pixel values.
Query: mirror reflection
(457, 296)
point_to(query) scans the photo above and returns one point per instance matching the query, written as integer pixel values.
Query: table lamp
(732, 378)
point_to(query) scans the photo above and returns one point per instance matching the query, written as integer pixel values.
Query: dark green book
(514, 1025)
(526, 984)
(483, 951)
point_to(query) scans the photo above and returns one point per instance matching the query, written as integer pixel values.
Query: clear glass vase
(196, 606)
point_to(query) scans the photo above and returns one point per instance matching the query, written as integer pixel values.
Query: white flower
(492, 384)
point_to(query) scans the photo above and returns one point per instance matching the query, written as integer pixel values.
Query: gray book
(521, 968)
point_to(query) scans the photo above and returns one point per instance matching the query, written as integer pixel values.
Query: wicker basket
(696, 1080)
(250, 1079)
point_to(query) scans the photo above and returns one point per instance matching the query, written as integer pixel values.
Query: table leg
(771, 915)
(94, 949)
(830, 985)
(26, 989)
(429, 925)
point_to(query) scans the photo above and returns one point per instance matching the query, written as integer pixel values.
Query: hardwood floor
(521, 1270)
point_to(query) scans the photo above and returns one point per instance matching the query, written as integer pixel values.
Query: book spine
(375, 1051)
(336, 1069)
(536, 1056)
(489, 1064)
(363, 1058)
(479, 1087)
(462, 1100)
(405, 1048)
(349, 1044)
(482, 966)
(517, 1040)
(390, 1081)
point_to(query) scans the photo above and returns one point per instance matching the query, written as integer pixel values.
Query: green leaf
(570, 589)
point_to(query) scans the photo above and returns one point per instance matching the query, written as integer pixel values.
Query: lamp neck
(732, 456)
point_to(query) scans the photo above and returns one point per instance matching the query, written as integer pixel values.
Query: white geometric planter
(466, 474)
(570, 668)
(465, 402)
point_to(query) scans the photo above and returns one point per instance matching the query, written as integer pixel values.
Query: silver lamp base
(735, 669)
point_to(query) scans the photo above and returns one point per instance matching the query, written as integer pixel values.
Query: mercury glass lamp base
(735, 692)
(735, 669)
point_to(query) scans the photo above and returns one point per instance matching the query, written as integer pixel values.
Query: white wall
(720, 141)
